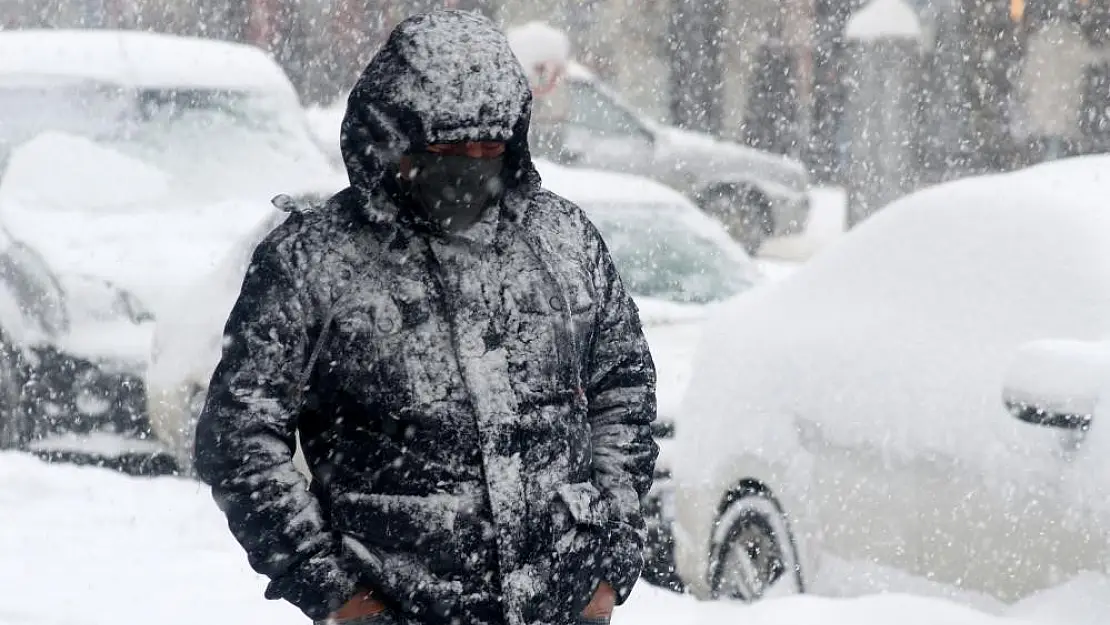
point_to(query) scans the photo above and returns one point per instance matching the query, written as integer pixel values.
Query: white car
(849, 418)
(142, 157)
(578, 119)
(676, 261)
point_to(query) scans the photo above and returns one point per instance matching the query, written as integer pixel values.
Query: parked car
(131, 163)
(850, 414)
(677, 262)
(756, 194)
(140, 157)
(72, 354)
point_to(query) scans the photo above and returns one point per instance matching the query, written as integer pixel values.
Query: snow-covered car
(580, 120)
(1059, 383)
(677, 262)
(142, 157)
(848, 418)
(72, 352)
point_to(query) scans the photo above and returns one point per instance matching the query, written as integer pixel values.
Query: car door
(601, 133)
(865, 497)
(1019, 519)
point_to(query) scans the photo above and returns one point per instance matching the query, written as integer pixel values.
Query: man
(455, 349)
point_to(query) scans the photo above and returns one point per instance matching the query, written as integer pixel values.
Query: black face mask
(454, 191)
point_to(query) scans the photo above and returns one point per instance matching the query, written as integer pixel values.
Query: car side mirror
(1058, 384)
(1036, 415)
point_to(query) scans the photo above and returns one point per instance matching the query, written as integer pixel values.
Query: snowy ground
(92, 547)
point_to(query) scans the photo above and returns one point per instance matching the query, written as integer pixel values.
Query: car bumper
(71, 395)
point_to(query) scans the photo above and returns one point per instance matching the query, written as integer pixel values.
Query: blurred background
(980, 85)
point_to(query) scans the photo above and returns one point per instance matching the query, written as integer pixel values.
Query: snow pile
(651, 605)
(1061, 376)
(882, 19)
(58, 171)
(123, 549)
(1084, 600)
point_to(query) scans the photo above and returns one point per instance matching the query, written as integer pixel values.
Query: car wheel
(15, 424)
(747, 215)
(755, 556)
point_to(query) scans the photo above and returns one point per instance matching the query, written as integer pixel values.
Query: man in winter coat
(465, 369)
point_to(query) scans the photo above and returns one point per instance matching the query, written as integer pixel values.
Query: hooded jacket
(476, 415)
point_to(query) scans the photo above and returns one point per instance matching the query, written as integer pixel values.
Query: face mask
(454, 191)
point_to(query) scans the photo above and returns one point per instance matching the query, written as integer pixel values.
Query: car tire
(754, 552)
(745, 213)
(16, 427)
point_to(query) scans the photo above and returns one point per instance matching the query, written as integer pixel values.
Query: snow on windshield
(212, 142)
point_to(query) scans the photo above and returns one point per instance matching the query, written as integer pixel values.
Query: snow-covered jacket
(476, 417)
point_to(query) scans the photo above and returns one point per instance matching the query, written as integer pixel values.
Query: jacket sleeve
(622, 406)
(246, 440)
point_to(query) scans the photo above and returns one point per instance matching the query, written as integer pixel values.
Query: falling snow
(865, 240)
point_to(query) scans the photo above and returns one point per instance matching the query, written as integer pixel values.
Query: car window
(212, 142)
(81, 108)
(599, 113)
(660, 254)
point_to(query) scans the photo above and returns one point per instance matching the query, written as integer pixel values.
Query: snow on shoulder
(883, 19)
(140, 59)
(59, 171)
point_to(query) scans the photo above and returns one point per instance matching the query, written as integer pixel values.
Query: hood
(441, 77)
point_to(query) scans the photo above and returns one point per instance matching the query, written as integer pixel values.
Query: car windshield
(661, 254)
(211, 142)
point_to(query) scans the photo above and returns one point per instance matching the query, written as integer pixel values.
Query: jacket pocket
(585, 504)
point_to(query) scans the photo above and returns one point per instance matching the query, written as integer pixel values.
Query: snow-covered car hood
(118, 222)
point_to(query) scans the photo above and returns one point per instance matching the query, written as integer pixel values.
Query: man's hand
(602, 603)
(361, 605)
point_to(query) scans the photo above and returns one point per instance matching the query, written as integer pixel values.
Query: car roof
(139, 60)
